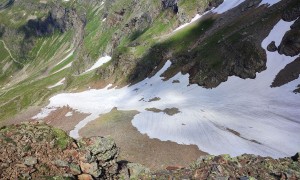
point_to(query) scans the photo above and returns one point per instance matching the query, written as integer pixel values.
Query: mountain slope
(216, 74)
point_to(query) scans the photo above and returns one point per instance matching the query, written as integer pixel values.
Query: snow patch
(65, 67)
(99, 63)
(59, 83)
(193, 20)
(67, 57)
(227, 5)
(69, 114)
(269, 2)
(44, 113)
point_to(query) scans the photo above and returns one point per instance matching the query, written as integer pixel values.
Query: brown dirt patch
(59, 119)
(137, 147)
(56, 118)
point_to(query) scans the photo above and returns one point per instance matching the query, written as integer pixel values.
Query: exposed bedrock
(289, 73)
(290, 45)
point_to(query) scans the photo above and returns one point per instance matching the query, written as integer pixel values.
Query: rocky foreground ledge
(39, 151)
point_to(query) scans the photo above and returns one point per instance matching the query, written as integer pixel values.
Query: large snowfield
(267, 119)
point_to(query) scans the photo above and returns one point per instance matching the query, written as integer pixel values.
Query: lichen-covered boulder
(37, 151)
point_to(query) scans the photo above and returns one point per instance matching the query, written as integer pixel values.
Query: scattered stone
(30, 161)
(61, 163)
(137, 170)
(297, 90)
(85, 156)
(75, 169)
(85, 177)
(56, 155)
(272, 47)
(91, 169)
(154, 99)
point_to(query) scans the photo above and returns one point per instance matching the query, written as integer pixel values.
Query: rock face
(56, 19)
(59, 18)
(6, 4)
(293, 14)
(170, 4)
(289, 73)
(290, 44)
(38, 151)
(296, 24)
(97, 149)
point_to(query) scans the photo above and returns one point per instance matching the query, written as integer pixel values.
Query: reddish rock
(173, 168)
(85, 177)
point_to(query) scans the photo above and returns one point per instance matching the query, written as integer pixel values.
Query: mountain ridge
(38, 151)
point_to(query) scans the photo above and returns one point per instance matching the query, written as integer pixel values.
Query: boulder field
(38, 151)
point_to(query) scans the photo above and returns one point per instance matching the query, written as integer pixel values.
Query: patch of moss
(62, 138)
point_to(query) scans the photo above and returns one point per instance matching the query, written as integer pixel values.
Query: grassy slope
(33, 90)
(45, 53)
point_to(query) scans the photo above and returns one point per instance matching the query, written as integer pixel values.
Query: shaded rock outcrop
(170, 4)
(22, 38)
(289, 73)
(290, 45)
(6, 4)
(59, 18)
(296, 24)
(291, 14)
